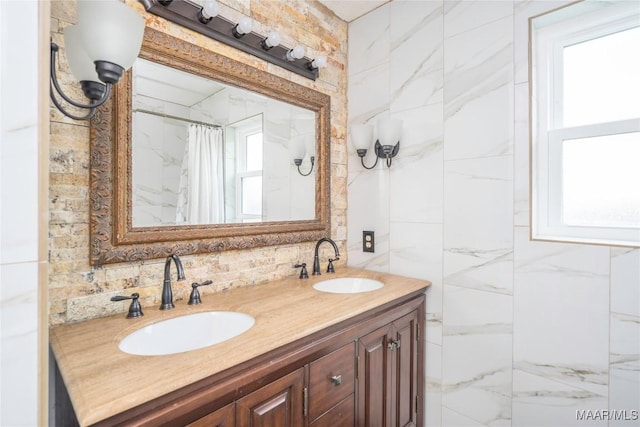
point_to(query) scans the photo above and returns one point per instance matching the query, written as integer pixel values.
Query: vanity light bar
(186, 14)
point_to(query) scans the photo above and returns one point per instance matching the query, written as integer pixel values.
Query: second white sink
(185, 333)
(348, 285)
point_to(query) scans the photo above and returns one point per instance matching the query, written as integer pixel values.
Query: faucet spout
(167, 293)
(316, 259)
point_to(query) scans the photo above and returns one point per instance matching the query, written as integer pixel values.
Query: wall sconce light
(206, 20)
(100, 47)
(298, 151)
(387, 145)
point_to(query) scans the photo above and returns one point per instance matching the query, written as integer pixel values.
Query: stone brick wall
(77, 291)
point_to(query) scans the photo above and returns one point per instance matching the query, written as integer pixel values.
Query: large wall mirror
(194, 154)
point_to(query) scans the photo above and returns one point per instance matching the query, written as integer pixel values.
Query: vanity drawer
(331, 379)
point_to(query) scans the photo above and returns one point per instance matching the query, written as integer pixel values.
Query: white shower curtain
(200, 197)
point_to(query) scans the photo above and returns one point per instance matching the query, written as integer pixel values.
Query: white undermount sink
(185, 333)
(348, 285)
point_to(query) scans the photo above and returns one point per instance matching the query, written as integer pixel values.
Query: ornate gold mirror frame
(112, 237)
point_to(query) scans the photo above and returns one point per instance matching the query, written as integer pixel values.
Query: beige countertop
(103, 381)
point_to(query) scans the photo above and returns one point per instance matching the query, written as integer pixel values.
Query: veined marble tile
(19, 175)
(521, 156)
(465, 15)
(625, 281)
(416, 58)
(523, 10)
(417, 171)
(368, 95)
(478, 233)
(476, 356)
(624, 365)
(433, 385)
(478, 94)
(369, 41)
(368, 198)
(452, 418)
(561, 311)
(416, 251)
(540, 402)
(18, 343)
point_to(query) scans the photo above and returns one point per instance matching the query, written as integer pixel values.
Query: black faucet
(167, 294)
(316, 259)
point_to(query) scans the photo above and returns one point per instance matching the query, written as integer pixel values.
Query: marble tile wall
(520, 333)
(19, 215)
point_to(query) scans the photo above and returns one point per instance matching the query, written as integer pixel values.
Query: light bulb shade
(296, 53)
(111, 31)
(297, 149)
(272, 40)
(244, 26)
(389, 131)
(361, 136)
(210, 9)
(319, 62)
(309, 145)
(81, 65)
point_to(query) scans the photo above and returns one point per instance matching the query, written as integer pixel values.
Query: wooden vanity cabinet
(366, 371)
(279, 403)
(223, 417)
(388, 390)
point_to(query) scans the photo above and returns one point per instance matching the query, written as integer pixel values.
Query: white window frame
(242, 133)
(568, 27)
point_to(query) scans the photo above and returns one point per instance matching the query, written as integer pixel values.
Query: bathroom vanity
(312, 358)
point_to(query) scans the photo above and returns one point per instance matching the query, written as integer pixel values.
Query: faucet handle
(303, 271)
(330, 268)
(194, 298)
(135, 309)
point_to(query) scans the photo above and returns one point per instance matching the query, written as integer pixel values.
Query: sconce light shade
(104, 43)
(298, 150)
(81, 65)
(387, 145)
(361, 136)
(389, 131)
(302, 146)
(111, 33)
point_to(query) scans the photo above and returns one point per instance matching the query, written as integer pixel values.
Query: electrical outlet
(368, 241)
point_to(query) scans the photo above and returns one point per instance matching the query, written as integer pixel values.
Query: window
(585, 124)
(249, 169)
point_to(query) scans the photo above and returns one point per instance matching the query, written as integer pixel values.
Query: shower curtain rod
(169, 116)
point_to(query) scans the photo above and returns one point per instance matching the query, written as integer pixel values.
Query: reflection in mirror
(204, 152)
(259, 122)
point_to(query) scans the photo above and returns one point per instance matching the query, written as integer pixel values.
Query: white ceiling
(348, 10)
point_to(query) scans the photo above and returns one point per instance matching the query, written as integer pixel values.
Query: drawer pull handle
(336, 379)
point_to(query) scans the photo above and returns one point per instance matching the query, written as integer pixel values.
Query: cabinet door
(374, 379)
(388, 375)
(403, 355)
(278, 404)
(223, 417)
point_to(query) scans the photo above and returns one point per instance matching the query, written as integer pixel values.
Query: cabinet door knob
(393, 345)
(336, 379)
